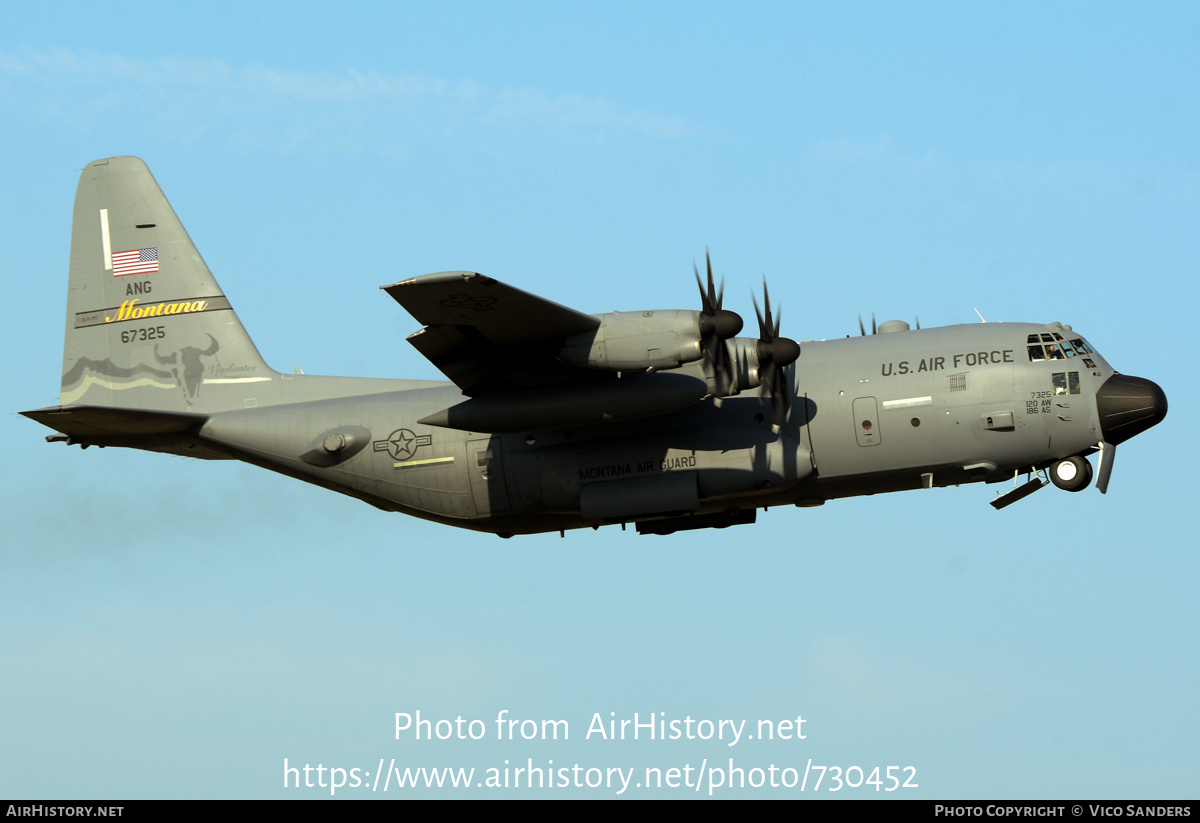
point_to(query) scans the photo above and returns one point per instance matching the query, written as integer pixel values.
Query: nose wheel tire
(1071, 474)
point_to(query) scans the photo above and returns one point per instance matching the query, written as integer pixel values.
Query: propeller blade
(775, 354)
(706, 304)
(767, 327)
(1108, 453)
(716, 326)
(781, 397)
(719, 359)
(714, 297)
(710, 300)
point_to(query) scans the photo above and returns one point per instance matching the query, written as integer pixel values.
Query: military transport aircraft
(556, 419)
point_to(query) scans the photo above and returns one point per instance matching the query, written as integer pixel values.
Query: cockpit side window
(1065, 382)
(1055, 347)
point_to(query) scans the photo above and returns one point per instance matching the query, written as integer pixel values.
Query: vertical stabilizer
(147, 325)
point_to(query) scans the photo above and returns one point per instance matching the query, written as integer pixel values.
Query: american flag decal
(135, 261)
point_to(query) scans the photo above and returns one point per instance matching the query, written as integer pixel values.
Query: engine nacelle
(743, 353)
(637, 341)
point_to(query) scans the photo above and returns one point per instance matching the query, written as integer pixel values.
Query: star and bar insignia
(402, 444)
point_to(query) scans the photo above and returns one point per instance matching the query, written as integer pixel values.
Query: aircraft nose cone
(1128, 406)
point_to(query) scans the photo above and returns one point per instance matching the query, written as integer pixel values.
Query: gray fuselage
(877, 413)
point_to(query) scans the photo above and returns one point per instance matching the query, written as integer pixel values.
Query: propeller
(775, 354)
(716, 326)
(862, 331)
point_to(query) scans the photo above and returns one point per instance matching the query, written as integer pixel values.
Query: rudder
(147, 325)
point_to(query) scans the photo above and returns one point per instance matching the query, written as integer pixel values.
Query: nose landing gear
(1071, 474)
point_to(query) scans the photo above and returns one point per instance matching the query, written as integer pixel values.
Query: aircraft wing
(487, 336)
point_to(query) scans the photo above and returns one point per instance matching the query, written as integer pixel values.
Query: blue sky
(175, 628)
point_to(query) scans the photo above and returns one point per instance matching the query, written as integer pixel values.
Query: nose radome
(1128, 406)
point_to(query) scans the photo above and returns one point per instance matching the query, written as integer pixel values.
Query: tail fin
(147, 325)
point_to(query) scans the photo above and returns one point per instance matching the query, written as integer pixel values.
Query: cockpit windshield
(1053, 346)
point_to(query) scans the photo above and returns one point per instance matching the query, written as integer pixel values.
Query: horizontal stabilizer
(82, 422)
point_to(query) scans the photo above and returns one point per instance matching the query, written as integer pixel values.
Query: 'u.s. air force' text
(957, 361)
